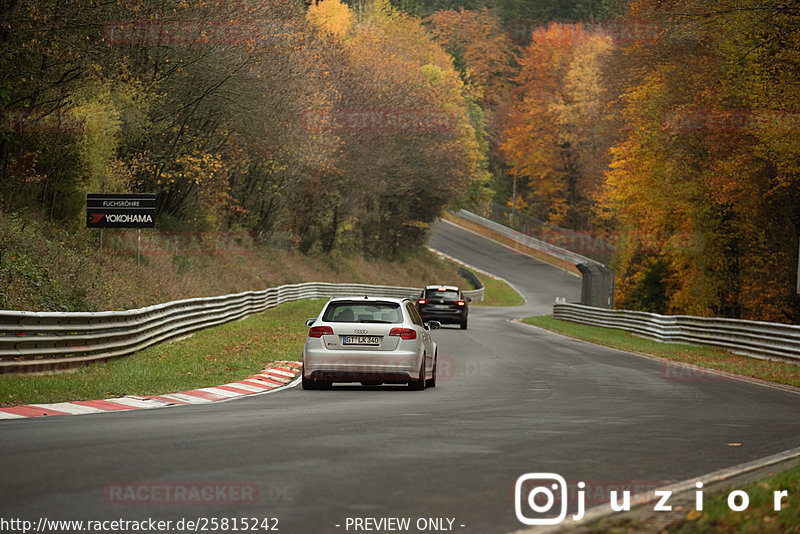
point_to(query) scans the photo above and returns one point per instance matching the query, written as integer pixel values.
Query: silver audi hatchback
(372, 341)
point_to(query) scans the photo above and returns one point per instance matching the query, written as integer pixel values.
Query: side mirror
(468, 299)
(433, 325)
(311, 321)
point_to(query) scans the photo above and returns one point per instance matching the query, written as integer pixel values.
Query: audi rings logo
(357, 331)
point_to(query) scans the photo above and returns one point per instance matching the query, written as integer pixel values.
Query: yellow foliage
(332, 16)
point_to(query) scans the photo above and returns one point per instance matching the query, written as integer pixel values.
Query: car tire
(464, 324)
(309, 384)
(419, 384)
(432, 382)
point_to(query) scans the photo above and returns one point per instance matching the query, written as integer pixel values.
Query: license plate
(361, 340)
(442, 307)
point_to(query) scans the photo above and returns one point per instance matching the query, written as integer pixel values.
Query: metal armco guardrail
(52, 341)
(750, 338)
(527, 240)
(597, 288)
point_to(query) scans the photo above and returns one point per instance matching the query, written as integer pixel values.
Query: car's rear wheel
(419, 384)
(318, 384)
(464, 324)
(432, 382)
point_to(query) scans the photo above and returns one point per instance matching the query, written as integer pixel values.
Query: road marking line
(137, 403)
(70, 408)
(221, 392)
(280, 372)
(256, 384)
(204, 395)
(30, 410)
(164, 398)
(186, 399)
(263, 379)
(269, 380)
(106, 406)
(241, 387)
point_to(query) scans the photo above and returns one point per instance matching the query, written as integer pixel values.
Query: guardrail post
(586, 283)
(608, 287)
(597, 285)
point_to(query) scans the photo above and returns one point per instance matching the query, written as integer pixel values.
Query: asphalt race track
(510, 399)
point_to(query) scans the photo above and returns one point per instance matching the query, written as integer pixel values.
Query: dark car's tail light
(422, 301)
(319, 331)
(404, 333)
(461, 303)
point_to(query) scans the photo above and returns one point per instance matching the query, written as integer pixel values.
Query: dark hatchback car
(445, 304)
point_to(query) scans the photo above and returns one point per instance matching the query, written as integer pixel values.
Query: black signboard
(120, 210)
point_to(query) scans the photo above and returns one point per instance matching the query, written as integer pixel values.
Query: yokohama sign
(120, 211)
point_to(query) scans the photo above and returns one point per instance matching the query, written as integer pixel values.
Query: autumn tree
(704, 184)
(553, 138)
(398, 176)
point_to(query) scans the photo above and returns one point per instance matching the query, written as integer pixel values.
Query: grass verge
(708, 357)
(760, 516)
(498, 293)
(44, 267)
(209, 358)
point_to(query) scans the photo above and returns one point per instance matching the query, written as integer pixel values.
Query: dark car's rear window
(436, 294)
(363, 312)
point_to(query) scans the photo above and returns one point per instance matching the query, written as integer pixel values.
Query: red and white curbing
(273, 377)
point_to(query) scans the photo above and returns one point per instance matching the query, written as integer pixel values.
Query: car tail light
(461, 303)
(404, 333)
(319, 331)
(422, 301)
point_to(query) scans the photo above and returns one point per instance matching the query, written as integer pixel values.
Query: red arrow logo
(96, 217)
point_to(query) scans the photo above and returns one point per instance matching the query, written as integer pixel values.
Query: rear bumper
(444, 316)
(361, 366)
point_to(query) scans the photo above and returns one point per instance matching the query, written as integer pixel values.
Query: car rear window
(436, 294)
(363, 312)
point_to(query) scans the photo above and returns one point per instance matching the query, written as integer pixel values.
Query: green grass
(781, 372)
(759, 517)
(45, 267)
(208, 358)
(498, 293)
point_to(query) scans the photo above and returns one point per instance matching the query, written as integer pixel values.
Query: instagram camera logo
(544, 485)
